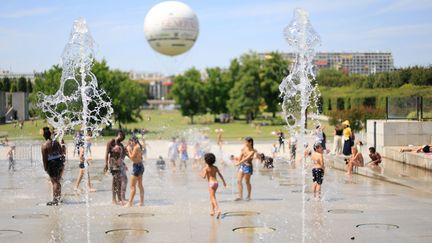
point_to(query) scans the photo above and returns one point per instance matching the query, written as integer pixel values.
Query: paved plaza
(352, 209)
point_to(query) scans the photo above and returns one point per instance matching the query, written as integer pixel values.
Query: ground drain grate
(290, 184)
(254, 229)
(335, 199)
(73, 202)
(378, 226)
(30, 216)
(158, 202)
(239, 213)
(127, 232)
(10, 188)
(7, 233)
(344, 211)
(135, 215)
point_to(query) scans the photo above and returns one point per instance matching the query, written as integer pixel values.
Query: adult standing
(246, 168)
(347, 137)
(135, 154)
(53, 157)
(114, 157)
(337, 139)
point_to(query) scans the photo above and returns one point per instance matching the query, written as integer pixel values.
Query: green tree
(274, 70)
(330, 77)
(6, 84)
(245, 95)
(22, 84)
(127, 102)
(188, 92)
(29, 87)
(217, 87)
(127, 96)
(14, 87)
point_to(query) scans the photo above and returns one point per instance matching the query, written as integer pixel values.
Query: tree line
(20, 84)
(416, 75)
(249, 86)
(127, 96)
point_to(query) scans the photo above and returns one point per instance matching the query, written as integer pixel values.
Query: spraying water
(78, 103)
(297, 89)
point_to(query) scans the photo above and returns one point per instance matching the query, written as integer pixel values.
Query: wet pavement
(352, 209)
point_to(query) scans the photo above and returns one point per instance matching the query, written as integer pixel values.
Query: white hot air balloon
(171, 28)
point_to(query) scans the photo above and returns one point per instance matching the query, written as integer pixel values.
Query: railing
(24, 152)
(411, 108)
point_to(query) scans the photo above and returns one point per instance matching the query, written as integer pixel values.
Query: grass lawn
(166, 124)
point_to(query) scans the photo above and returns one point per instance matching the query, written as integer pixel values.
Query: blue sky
(33, 33)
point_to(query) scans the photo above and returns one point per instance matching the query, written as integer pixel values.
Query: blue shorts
(137, 169)
(184, 156)
(246, 169)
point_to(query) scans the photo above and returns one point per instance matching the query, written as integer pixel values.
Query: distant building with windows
(159, 84)
(12, 75)
(349, 62)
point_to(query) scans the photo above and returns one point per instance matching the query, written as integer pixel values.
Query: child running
(210, 172)
(82, 161)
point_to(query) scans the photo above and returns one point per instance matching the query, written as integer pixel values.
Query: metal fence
(412, 108)
(23, 152)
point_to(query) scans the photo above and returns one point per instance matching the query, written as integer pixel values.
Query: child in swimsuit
(318, 169)
(374, 156)
(210, 172)
(11, 156)
(82, 170)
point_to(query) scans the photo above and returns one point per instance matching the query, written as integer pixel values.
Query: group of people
(178, 151)
(54, 157)
(115, 156)
(53, 154)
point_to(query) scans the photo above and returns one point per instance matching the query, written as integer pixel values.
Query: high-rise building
(349, 62)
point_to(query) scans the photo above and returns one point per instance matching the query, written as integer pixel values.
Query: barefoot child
(11, 157)
(210, 172)
(82, 169)
(318, 169)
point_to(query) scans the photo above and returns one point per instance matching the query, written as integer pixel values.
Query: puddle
(135, 215)
(345, 211)
(378, 226)
(7, 233)
(30, 216)
(240, 213)
(127, 232)
(254, 229)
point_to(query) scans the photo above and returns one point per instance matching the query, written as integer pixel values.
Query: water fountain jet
(298, 91)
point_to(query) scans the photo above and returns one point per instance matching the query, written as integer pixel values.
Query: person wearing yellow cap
(347, 138)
